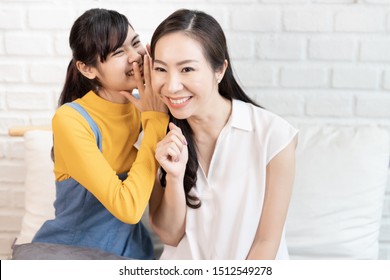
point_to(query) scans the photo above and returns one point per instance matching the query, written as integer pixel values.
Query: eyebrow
(179, 63)
(136, 37)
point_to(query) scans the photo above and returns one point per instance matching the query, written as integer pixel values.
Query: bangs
(113, 34)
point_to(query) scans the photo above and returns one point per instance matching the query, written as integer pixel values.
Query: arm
(83, 161)
(279, 182)
(78, 156)
(167, 212)
(168, 206)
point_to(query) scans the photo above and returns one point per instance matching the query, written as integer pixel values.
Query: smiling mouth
(179, 101)
(131, 72)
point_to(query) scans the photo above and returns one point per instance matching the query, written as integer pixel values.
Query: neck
(114, 97)
(208, 127)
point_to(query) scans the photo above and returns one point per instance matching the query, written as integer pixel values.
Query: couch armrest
(20, 130)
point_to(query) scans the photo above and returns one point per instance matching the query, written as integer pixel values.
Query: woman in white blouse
(227, 164)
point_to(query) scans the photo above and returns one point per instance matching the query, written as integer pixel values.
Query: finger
(172, 137)
(173, 151)
(126, 94)
(176, 138)
(173, 126)
(138, 78)
(131, 98)
(147, 67)
(176, 155)
(178, 132)
(169, 151)
(148, 49)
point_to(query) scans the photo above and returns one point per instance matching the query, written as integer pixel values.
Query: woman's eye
(117, 52)
(187, 69)
(159, 69)
(136, 43)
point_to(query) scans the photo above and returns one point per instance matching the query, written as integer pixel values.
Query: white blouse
(232, 195)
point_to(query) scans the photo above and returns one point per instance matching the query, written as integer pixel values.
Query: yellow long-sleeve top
(77, 155)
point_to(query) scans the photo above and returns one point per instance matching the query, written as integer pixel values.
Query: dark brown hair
(94, 35)
(207, 31)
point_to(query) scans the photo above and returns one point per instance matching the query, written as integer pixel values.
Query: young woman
(103, 183)
(227, 164)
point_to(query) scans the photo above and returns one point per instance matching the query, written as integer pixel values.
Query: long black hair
(95, 34)
(207, 31)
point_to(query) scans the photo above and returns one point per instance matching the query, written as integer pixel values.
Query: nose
(174, 83)
(133, 56)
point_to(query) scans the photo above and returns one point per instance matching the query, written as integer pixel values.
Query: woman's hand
(172, 152)
(148, 101)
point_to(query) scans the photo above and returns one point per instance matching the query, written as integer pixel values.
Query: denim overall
(81, 220)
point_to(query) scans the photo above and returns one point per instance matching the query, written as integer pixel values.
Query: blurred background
(314, 61)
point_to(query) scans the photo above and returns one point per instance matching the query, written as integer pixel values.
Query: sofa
(336, 205)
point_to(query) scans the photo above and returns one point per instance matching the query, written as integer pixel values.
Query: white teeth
(130, 73)
(178, 101)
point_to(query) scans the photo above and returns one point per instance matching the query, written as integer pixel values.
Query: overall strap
(90, 121)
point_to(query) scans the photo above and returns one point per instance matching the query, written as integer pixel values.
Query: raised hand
(172, 152)
(149, 100)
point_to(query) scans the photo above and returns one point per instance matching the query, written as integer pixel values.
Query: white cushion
(39, 183)
(336, 206)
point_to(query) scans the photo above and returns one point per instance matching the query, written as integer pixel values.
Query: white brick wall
(311, 60)
(363, 77)
(361, 18)
(332, 48)
(312, 19)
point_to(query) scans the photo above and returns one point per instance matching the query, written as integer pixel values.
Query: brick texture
(312, 60)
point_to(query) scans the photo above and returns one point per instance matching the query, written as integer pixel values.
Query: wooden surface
(20, 130)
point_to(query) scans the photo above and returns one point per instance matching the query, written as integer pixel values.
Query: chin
(179, 116)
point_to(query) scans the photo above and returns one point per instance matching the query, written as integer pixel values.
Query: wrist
(175, 179)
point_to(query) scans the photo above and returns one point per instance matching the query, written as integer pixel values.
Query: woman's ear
(85, 70)
(221, 72)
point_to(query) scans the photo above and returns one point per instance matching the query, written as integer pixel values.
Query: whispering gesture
(148, 101)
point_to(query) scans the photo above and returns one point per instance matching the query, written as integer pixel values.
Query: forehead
(131, 31)
(130, 34)
(178, 46)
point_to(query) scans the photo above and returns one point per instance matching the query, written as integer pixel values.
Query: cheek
(141, 50)
(157, 81)
(200, 82)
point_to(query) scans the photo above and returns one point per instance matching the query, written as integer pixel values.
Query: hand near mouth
(148, 101)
